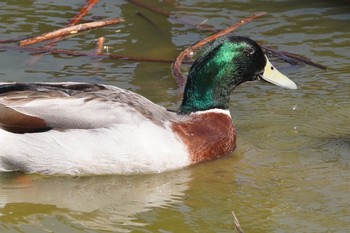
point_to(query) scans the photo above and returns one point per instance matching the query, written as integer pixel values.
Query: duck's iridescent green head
(227, 63)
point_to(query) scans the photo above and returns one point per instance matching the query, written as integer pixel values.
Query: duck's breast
(207, 135)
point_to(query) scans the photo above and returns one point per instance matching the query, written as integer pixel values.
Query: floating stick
(68, 31)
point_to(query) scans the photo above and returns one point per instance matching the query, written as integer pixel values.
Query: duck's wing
(39, 107)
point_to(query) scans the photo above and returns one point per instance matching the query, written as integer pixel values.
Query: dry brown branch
(76, 53)
(76, 19)
(237, 225)
(99, 48)
(83, 11)
(190, 50)
(68, 31)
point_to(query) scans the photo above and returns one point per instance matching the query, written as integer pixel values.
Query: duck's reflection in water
(99, 202)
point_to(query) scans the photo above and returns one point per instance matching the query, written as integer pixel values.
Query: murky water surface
(291, 171)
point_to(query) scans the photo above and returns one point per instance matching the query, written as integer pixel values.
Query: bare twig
(83, 11)
(226, 31)
(190, 50)
(235, 221)
(68, 31)
(99, 48)
(76, 19)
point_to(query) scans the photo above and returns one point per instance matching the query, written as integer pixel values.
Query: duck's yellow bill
(272, 75)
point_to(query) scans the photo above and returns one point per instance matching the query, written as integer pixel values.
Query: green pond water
(291, 169)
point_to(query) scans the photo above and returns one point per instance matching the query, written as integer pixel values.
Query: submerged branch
(147, 6)
(12, 40)
(190, 50)
(76, 53)
(292, 58)
(148, 20)
(167, 14)
(68, 31)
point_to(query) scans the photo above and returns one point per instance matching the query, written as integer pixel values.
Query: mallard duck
(81, 128)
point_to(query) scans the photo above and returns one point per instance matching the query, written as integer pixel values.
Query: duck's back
(73, 106)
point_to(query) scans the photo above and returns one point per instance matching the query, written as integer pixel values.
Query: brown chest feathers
(207, 136)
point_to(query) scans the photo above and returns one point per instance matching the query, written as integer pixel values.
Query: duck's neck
(210, 82)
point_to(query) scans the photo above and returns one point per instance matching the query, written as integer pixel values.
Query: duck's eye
(250, 50)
